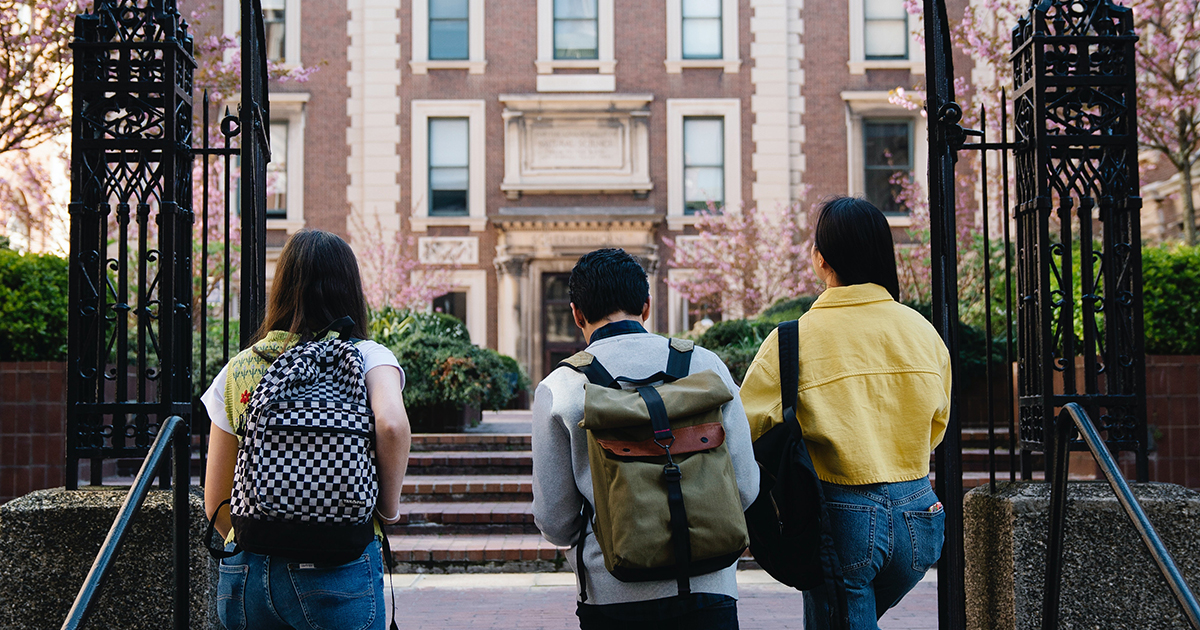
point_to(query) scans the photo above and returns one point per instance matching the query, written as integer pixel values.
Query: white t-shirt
(374, 355)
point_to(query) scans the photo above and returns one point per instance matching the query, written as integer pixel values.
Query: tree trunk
(1189, 205)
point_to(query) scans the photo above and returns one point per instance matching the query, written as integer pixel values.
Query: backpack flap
(607, 408)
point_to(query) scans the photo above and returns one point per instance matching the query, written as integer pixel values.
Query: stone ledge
(49, 539)
(1109, 580)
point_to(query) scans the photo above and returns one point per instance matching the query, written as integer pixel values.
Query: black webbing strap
(789, 372)
(678, 366)
(218, 553)
(679, 523)
(587, 518)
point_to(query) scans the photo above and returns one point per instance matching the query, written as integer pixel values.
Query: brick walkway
(545, 601)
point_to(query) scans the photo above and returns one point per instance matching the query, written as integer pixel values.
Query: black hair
(854, 237)
(316, 282)
(607, 281)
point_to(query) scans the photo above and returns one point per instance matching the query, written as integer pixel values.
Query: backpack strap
(218, 553)
(679, 362)
(789, 373)
(680, 536)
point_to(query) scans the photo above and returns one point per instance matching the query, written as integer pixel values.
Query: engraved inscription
(576, 147)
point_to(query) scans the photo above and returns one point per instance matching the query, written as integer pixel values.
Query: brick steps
(511, 517)
(470, 463)
(468, 488)
(476, 553)
(424, 442)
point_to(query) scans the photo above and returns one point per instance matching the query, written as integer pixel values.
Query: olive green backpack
(666, 499)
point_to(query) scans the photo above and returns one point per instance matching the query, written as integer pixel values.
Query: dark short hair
(316, 282)
(606, 281)
(856, 241)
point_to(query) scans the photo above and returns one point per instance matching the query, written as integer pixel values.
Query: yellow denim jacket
(874, 393)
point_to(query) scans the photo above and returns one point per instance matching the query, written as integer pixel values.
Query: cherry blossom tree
(1168, 72)
(393, 275)
(745, 261)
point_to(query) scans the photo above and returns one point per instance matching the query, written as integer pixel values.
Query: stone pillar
(49, 539)
(1109, 581)
(510, 272)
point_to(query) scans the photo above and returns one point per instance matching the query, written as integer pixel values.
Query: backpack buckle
(671, 471)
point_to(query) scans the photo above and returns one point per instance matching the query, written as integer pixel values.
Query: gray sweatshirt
(562, 479)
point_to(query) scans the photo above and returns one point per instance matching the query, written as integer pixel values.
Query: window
(449, 170)
(453, 304)
(275, 23)
(447, 164)
(885, 29)
(448, 32)
(887, 152)
(576, 29)
(704, 157)
(277, 172)
(701, 29)
(703, 163)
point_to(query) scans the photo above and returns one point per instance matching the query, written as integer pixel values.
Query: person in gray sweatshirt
(610, 300)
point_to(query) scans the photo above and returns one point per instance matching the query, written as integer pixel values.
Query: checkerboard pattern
(308, 451)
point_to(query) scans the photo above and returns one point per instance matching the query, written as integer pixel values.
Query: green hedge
(33, 307)
(1171, 299)
(445, 370)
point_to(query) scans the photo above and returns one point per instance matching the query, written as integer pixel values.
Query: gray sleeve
(557, 504)
(737, 436)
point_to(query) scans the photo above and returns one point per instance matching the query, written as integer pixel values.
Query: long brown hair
(316, 282)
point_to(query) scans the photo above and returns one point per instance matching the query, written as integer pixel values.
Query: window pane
(448, 203)
(277, 171)
(448, 178)
(441, 9)
(701, 8)
(448, 142)
(586, 9)
(576, 39)
(884, 10)
(887, 144)
(448, 39)
(274, 27)
(702, 185)
(453, 304)
(703, 142)
(701, 38)
(886, 38)
(881, 192)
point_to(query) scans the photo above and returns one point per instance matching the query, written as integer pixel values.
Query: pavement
(546, 601)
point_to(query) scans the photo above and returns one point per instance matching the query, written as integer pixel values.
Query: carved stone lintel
(448, 250)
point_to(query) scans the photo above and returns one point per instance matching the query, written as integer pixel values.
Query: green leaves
(1171, 299)
(33, 307)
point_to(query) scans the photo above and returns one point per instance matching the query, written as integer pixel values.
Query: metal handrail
(173, 427)
(1074, 416)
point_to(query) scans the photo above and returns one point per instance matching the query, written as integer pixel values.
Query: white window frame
(474, 283)
(874, 104)
(546, 64)
(290, 107)
(859, 64)
(473, 64)
(473, 111)
(677, 109)
(291, 30)
(729, 61)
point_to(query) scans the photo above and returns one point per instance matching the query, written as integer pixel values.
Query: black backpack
(790, 534)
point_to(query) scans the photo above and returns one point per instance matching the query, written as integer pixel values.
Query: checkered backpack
(305, 482)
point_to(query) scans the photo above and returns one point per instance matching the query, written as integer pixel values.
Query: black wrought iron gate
(136, 299)
(1075, 212)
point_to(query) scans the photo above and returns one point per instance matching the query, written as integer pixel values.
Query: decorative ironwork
(129, 337)
(1078, 232)
(254, 112)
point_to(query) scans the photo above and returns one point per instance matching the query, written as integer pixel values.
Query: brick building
(510, 136)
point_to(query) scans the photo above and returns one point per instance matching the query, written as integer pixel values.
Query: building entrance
(562, 337)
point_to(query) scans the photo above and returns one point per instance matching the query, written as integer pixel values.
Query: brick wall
(33, 403)
(1173, 407)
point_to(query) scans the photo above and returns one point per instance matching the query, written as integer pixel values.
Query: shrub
(1171, 299)
(33, 307)
(441, 369)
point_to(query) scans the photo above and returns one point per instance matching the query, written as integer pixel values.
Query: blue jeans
(700, 611)
(270, 592)
(887, 536)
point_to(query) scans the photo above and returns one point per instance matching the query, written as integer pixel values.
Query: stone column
(511, 276)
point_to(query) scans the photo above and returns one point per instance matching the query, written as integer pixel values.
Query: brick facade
(33, 405)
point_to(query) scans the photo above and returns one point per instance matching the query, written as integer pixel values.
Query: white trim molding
(728, 62)
(874, 104)
(290, 107)
(859, 64)
(473, 282)
(677, 109)
(473, 111)
(547, 64)
(473, 64)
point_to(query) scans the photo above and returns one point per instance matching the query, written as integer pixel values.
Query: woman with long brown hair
(317, 283)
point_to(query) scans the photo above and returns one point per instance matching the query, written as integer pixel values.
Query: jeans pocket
(853, 533)
(340, 597)
(231, 595)
(927, 531)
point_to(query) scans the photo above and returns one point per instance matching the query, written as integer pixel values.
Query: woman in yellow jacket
(873, 400)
